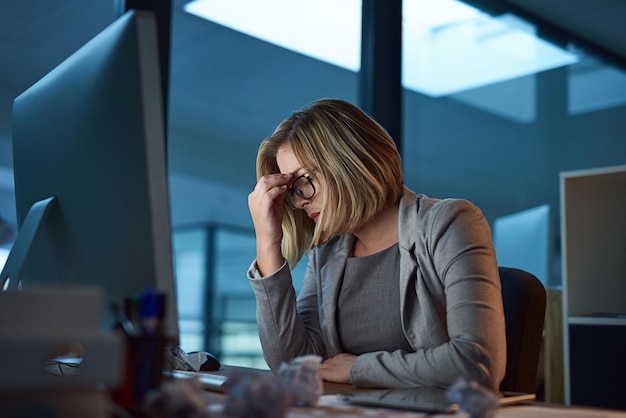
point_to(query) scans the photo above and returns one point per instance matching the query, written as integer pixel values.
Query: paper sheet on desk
(532, 411)
(331, 406)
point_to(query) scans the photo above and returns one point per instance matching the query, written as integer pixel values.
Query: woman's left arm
(456, 301)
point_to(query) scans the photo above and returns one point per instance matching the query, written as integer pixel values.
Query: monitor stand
(12, 271)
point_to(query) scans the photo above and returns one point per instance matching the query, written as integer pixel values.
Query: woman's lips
(314, 216)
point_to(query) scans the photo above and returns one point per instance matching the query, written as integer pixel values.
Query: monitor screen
(523, 240)
(89, 145)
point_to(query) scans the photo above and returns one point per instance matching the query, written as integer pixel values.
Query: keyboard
(209, 381)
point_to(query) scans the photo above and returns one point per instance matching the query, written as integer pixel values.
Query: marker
(151, 312)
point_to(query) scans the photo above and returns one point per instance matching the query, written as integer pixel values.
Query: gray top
(450, 302)
(380, 326)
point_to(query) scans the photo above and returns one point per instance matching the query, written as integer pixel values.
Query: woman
(401, 290)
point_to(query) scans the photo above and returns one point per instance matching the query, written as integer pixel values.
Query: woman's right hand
(266, 208)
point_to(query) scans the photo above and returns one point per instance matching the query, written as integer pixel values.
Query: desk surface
(331, 406)
(329, 387)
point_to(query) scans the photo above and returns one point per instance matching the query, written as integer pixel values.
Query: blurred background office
(496, 98)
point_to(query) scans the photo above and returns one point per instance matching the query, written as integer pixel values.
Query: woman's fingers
(273, 185)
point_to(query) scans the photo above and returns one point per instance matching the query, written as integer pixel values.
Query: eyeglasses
(303, 188)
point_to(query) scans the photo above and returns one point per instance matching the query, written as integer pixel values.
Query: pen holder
(143, 371)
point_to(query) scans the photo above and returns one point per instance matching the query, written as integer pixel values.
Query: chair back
(524, 299)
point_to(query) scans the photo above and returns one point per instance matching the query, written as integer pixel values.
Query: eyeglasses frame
(292, 192)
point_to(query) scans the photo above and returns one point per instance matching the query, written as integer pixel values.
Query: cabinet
(550, 371)
(593, 241)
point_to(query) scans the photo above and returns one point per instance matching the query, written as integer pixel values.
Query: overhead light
(328, 30)
(595, 85)
(448, 46)
(474, 52)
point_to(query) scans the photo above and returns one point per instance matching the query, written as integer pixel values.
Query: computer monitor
(524, 240)
(89, 156)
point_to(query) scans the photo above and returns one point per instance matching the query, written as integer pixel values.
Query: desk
(329, 388)
(331, 406)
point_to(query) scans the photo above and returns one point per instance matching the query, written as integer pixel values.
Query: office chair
(524, 299)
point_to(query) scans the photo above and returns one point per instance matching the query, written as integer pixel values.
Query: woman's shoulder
(447, 205)
(424, 216)
(424, 206)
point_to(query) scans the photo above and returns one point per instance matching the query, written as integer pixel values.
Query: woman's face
(288, 164)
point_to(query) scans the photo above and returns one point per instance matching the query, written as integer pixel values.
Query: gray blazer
(451, 302)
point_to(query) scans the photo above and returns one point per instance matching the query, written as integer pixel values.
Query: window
(216, 304)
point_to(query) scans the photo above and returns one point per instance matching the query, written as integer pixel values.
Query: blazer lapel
(331, 278)
(407, 219)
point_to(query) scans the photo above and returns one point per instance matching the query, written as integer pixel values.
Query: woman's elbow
(485, 369)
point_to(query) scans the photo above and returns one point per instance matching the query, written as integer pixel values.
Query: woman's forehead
(287, 161)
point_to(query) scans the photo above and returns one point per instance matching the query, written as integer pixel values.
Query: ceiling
(227, 90)
(597, 23)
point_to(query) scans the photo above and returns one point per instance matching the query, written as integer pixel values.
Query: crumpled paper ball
(179, 398)
(254, 395)
(476, 400)
(301, 379)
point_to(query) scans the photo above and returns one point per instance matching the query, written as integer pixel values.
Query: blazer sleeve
(286, 333)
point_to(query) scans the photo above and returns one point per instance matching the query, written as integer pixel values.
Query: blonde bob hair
(357, 159)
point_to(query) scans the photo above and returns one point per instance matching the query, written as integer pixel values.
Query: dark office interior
(501, 144)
